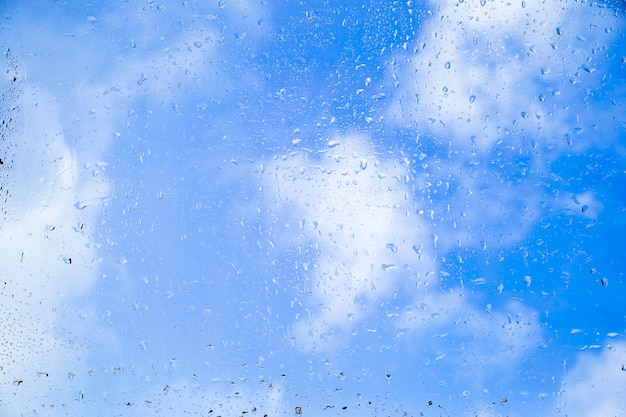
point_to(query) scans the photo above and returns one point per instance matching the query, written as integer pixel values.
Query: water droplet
(559, 31)
(392, 247)
(333, 143)
(472, 99)
(142, 79)
(447, 65)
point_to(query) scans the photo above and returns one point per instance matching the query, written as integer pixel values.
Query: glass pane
(313, 208)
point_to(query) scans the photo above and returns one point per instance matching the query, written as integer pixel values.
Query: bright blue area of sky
(380, 208)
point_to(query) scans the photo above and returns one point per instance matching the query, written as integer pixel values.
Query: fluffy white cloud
(356, 207)
(480, 72)
(47, 246)
(595, 385)
(169, 53)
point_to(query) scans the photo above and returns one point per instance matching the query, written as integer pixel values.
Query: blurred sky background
(333, 208)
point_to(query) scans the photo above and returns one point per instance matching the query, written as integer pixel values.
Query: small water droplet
(472, 99)
(447, 65)
(559, 31)
(392, 247)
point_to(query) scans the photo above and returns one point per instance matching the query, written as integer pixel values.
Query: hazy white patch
(48, 251)
(583, 204)
(586, 204)
(481, 71)
(509, 333)
(52, 208)
(355, 206)
(199, 55)
(595, 385)
(466, 349)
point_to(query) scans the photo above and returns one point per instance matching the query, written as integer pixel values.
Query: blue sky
(383, 208)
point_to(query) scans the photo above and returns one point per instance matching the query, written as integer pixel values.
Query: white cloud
(483, 71)
(47, 246)
(595, 385)
(356, 206)
(169, 52)
(478, 341)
